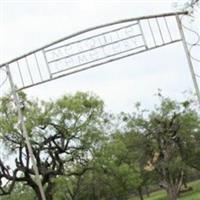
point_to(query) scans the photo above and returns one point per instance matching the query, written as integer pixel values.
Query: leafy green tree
(115, 176)
(84, 153)
(171, 136)
(61, 134)
(137, 145)
(20, 192)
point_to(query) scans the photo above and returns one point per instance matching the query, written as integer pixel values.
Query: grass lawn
(191, 195)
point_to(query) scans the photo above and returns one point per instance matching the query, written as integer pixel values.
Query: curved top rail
(94, 28)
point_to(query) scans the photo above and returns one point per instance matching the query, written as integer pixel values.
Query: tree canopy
(83, 152)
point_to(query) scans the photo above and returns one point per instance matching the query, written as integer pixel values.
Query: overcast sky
(26, 25)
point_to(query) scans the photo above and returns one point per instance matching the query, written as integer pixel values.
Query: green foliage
(20, 193)
(96, 155)
(62, 134)
(171, 133)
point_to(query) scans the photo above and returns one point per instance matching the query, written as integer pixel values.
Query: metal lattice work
(93, 47)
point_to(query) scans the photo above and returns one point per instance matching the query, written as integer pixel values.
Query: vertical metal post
(188, 58)
(24, 131)
(47, 64)
(142, 32)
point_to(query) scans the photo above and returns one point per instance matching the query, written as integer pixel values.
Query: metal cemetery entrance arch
(91, 48)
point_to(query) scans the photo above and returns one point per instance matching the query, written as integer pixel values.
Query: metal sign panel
(95, 48)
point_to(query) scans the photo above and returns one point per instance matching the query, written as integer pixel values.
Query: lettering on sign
(95, 48)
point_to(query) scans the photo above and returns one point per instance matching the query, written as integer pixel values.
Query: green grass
(191, 195)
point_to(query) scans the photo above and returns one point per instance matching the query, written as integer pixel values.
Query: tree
(112, 176)
(116, 173)
(171, 134)
(131, 132)
(190, 5)
(20, 192)
(61, 134)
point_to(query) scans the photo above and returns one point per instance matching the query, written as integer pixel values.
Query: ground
(191, 195)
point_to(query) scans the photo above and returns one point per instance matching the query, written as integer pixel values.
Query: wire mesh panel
(93, 47)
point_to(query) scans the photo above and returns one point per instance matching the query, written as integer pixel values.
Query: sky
(27, 25)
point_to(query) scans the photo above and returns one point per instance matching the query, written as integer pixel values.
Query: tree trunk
(38, 195)
(140, 193)
(49, 196)
(48, 193)
(172, 193)
(147, 191)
